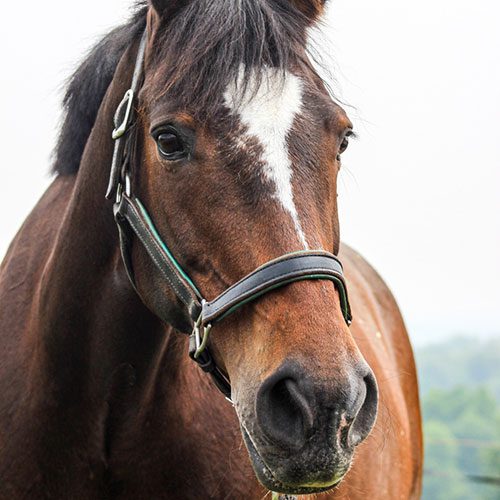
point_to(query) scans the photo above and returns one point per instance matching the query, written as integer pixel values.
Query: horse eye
(344, 144)
(170, 145)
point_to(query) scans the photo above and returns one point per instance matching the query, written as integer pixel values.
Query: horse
(195, 193)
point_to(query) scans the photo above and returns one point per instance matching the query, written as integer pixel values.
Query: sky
(419, 190)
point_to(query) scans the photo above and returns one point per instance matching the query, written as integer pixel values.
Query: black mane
(197, 53)
(86, 90)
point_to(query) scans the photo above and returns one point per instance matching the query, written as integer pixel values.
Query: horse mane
(86, 89)
(197, 52)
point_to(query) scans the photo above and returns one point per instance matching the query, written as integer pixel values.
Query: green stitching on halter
(340, 287)
(165, 248)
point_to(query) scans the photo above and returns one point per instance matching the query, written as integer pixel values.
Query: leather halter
(133, 220)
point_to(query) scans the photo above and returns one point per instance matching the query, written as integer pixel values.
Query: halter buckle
(128, 101)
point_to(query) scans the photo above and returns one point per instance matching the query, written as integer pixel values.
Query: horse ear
(311, 9)
(167, 8)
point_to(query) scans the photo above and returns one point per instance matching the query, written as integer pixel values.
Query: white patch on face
(269, 112)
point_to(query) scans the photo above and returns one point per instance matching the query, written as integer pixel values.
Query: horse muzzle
(302, 436)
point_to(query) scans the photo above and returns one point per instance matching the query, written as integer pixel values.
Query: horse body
(99, 399)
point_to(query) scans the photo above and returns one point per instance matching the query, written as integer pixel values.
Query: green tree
(461, 361)
(462, 431)
(443, 480)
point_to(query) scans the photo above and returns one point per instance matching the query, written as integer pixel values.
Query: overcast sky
(420, 189)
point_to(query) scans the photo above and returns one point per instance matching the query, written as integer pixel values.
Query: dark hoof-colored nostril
(283, 411)
(367, 414)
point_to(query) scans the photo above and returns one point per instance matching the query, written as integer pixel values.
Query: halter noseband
(133, 220)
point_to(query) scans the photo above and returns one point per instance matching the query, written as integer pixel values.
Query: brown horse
(234, 149)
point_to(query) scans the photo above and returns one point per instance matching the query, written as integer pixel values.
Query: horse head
(236, 152)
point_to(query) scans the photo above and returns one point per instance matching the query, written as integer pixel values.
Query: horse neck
(110, 379)
(91, 324)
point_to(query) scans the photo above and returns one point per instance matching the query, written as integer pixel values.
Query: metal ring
(201, 346)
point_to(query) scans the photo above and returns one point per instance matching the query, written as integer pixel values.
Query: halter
(133, 220)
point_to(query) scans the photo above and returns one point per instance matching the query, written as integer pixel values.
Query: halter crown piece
(133, 221)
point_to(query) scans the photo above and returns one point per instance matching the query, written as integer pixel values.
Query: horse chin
(269, 481)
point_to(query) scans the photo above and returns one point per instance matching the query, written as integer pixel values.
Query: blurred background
(419, 190)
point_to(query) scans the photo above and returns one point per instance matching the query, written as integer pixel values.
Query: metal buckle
(200, 341)
(128, 99)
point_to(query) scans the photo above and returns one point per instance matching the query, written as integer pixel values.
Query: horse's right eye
(170, 145)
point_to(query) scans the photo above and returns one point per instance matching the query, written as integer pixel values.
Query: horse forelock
(207, 45)
(196, 55)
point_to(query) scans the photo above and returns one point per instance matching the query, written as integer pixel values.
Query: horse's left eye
(170, 145)
(344, 144)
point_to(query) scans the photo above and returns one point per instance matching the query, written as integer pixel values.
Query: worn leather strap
(287, 269)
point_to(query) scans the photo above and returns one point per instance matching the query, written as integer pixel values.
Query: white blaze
(268, 112)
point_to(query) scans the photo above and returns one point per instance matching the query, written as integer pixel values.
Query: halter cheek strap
(134, 221)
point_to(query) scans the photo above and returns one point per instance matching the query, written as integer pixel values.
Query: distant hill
(461, 361)
(460, 388)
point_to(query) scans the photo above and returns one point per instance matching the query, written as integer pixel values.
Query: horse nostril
(284, 412)
(365, 418)
(291, 405)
